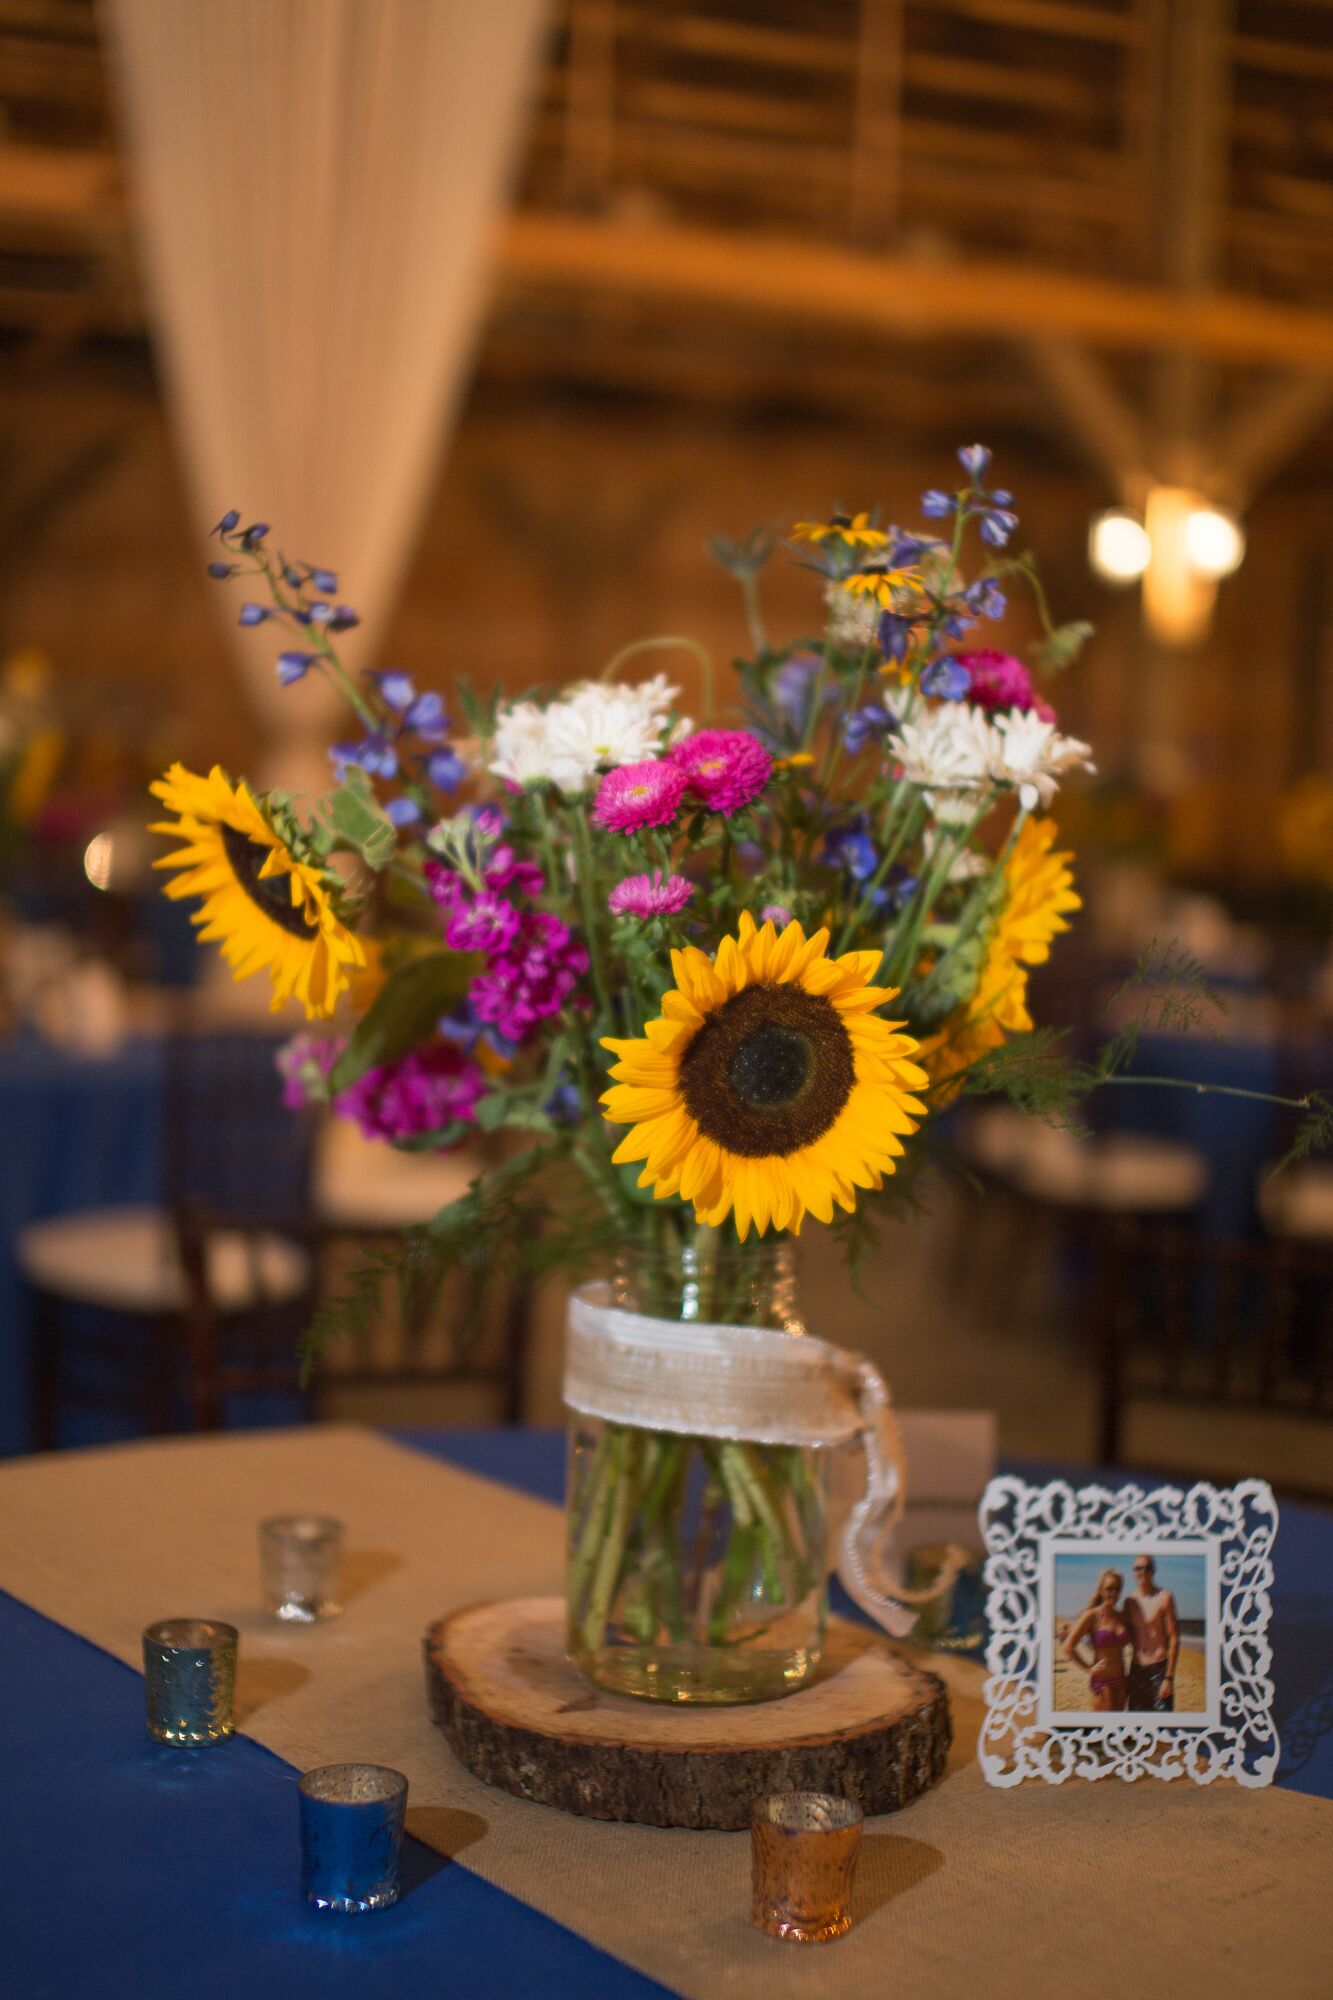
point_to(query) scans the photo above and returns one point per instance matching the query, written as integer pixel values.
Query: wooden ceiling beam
(823, 285)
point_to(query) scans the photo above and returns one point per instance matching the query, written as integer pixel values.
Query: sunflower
(770, 1086)
(1038, 892)
(268, 908)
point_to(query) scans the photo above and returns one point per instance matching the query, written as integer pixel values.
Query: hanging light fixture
(1118, 545)
(1214, 541)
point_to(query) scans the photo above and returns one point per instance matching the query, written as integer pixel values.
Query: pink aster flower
(430, 1088)
(1000, 681)
(654, 895)
(532, 980)
(635, 795)
(776, 914)
(725, 769)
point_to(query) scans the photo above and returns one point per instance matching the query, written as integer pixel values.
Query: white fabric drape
(316, 183)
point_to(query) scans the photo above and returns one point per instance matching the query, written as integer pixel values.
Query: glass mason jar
(696, 1566)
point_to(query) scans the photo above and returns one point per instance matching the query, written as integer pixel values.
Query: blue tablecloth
(138, 1871)
(74, 1134)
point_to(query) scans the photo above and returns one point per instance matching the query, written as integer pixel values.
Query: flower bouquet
(707, 980)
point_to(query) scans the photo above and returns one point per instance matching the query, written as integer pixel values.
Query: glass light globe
(1118, 545)
(1214, 541)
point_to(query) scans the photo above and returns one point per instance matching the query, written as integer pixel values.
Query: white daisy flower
(1025, 750)
(594, 726)
(518, 750)
(948, 750)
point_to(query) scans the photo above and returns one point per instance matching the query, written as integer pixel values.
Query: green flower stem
(666, 643)
(606, 1572)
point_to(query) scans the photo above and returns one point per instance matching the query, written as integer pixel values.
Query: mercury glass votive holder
(804, 1847)
(352, 1836)
(189, 1667)
(299, 1558)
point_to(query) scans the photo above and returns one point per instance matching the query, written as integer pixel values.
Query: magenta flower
(303, 1063)
(532, 980)
(635, 795)
(480, 923)
(430, 1088)
(502, 869)
(654, 895)
(776, 914)
(725, 769)
(998, 680)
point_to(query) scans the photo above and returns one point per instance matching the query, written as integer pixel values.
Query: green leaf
(403, 1013)
(357, 817)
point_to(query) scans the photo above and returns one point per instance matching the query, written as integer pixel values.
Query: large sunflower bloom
(267, 909)
(1038, 894)
(770, 1086)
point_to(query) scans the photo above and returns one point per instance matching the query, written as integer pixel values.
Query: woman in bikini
(1103, 1625)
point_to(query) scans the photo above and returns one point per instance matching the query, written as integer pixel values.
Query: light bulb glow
(1118, 546)
(1214, 541)
(98, 857)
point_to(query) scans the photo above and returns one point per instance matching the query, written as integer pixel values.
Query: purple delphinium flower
(254, 614)
(374, 753)
(427, 1090)
(984, 598)
(323, 579)
(974, 459)
(533, 979)
(565, 1105)
(230, 520)
(850, 847)
(894, 633)
(294, 666)
(946, 680)
(398, 690)
(863, 727)
(219, 571)
(445, 770)
(403, 811)
(937, 506)
(654, 895)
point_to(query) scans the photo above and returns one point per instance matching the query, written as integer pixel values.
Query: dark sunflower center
(270, 893)
(769, 1071)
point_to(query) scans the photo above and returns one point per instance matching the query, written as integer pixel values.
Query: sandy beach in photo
(1071, 1682)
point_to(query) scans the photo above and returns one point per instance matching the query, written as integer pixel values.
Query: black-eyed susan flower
(856, 530)
(770, 1086)
(269, 910)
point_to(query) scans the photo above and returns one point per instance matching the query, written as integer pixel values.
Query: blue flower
(220, 571)
(403, 812)
(905, 549)
(864, 726)
(294, 666)
(974, 459)
(292, 577)
(374, 754)
(425, 716)
(850, 847)
(254, 535)
(946, 680)
(895, 635)
(445, 769)
(254, 614)
(937, 506)
(997, 524)
(398, 690)
(344, 618)
(564, 1106)
(318, 613)
(985, 598)
(323, 579)
(792, 688)
(227, 523)
(897, 890)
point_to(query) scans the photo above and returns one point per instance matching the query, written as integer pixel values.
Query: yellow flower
(798, 761)
(268, 910)
(770, 1086)
(1038, 894)
(880, 585)
(854, 529)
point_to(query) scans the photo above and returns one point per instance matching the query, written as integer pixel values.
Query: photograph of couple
(1141, 1647)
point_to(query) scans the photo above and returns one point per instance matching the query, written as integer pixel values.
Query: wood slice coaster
(869, 1726)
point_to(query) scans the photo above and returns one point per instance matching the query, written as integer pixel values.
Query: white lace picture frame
(1213, 1546)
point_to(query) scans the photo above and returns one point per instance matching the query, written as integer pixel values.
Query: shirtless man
(1154, 1630)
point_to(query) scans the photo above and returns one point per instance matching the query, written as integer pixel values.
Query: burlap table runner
(1204, 1893)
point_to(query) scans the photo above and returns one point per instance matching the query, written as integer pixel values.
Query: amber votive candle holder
(189, 1668)
(299, 1560)
(804, 1847)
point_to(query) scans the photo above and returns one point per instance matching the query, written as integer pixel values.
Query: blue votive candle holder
(352, 1836)
(189, 1667)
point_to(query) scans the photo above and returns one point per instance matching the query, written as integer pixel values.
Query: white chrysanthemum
(948, 750)
(592, 728)
(967, 864)
(518, 751)
(1029, 751)
(852, 619)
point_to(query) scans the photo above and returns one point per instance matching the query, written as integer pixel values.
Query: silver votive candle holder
(804, 1847)
(352, 1836)
(189, 1667)
(299, 1560)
